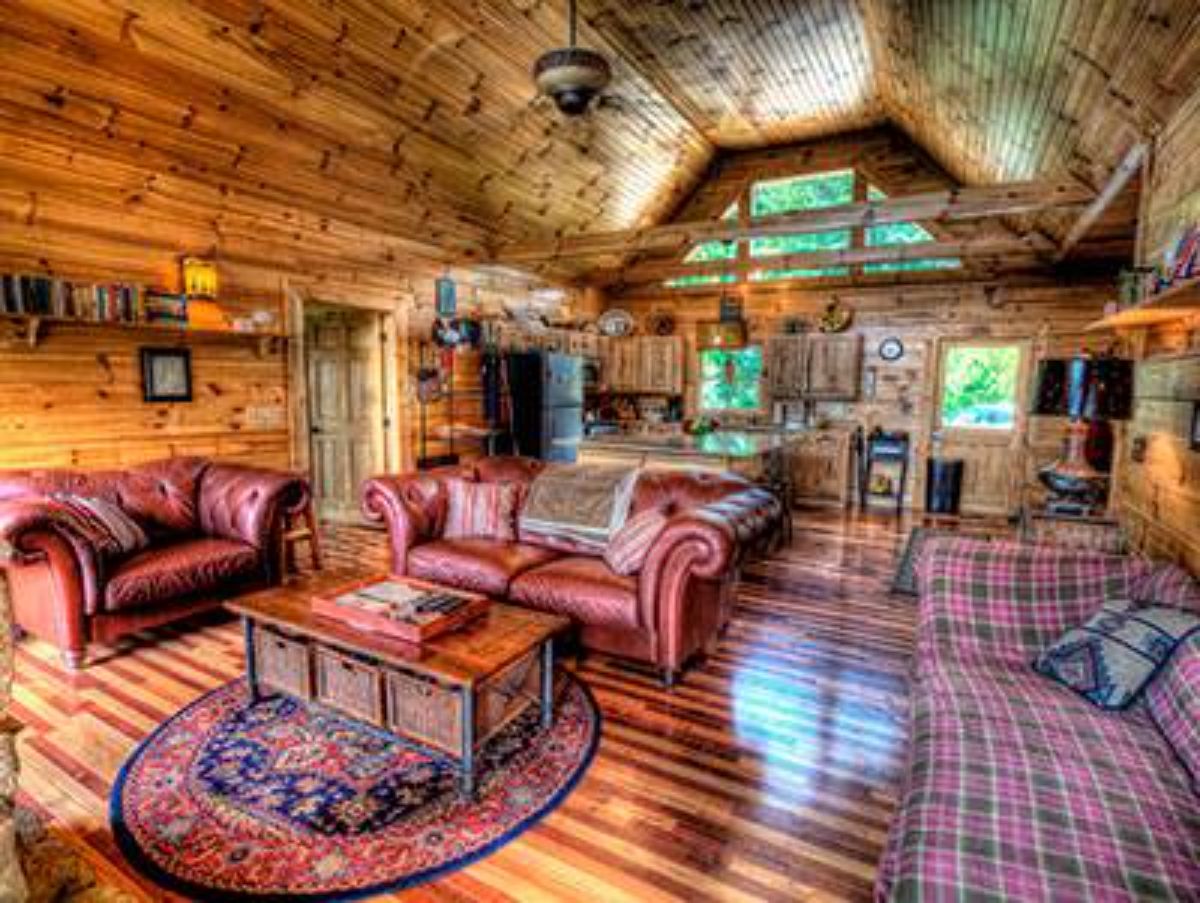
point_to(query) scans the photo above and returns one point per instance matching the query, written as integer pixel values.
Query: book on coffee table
(401, 607)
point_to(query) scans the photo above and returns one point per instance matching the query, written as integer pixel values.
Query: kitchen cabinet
(817, 367)
(787, 376)
(821, 467)
(834, 367)
(649, 365)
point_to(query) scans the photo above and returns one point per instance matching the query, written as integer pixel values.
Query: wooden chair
(299, 526)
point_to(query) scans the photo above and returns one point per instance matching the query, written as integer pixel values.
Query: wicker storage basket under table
(450, 694)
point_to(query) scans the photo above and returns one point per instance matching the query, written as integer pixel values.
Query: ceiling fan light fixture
(572, 76)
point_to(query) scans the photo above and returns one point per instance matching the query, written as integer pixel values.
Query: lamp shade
(1084, 388)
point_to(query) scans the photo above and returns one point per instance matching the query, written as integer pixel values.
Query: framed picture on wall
(1195, 434)
(166, 374)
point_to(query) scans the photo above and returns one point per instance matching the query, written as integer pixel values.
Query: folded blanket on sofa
(581, 502)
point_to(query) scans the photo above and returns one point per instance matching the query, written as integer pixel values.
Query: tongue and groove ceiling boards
(354, 136)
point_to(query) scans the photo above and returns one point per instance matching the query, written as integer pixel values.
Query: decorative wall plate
(615, 323)
(891, 349)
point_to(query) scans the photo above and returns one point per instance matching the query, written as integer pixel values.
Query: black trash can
(943, 485)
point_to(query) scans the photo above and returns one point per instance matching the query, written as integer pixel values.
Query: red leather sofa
(672, 609)
(212, 527)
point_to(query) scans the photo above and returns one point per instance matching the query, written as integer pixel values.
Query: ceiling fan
(572, 76)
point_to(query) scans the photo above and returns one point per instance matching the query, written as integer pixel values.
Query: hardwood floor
(769, 773)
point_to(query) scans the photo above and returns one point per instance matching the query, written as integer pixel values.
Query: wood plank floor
(770, 773)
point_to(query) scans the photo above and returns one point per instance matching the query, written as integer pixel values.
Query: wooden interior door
(346, 415)
(987, 440)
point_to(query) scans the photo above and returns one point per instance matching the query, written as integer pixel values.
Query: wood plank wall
(1159, 495)
(75, 399)
(1053, 316)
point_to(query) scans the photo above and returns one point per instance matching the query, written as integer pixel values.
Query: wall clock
(891, 349)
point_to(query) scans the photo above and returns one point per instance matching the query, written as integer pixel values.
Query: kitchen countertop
(721, 444)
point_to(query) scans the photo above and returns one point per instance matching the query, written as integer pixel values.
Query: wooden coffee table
(451, 694)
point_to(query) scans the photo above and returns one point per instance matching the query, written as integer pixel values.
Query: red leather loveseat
(673, 608)
(212, 528)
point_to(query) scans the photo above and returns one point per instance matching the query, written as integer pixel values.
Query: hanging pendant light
(572, 76)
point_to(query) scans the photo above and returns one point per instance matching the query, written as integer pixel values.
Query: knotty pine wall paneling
(1159, 489)
(899, 395)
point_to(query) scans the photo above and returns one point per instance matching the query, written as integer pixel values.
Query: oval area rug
(285, 801)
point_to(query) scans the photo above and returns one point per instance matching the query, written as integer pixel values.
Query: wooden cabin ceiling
(378, 128)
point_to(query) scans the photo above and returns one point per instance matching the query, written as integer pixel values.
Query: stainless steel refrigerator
(546, 390)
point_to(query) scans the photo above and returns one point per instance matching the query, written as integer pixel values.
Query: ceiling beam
(996, 249)
(934, 206)
(1129, 166)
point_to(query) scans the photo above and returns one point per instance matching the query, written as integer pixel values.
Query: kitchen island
(747, 453)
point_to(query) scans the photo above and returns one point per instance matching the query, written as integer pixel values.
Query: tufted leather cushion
(241, 503)
(507, 469)
(184, 568)
(681, 490)
(482, 565)
(581, 587)
(160, 495)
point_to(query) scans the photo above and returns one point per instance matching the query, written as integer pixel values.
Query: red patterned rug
(283, 801)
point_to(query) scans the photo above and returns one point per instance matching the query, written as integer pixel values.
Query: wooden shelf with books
(1179, 302)
(35, 326)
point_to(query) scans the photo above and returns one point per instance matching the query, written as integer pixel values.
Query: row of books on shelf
(115, 302)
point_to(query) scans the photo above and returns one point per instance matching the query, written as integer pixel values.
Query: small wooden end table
(451, 694)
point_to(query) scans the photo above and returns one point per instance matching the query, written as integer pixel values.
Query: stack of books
(118, 302)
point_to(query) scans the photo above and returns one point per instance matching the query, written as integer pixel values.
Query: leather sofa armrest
(247, 503)
(39, 536)
(408, 506)
(704, 543)
(694, 545)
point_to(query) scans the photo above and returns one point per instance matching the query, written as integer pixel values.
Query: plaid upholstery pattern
(1017, 789)
(1004, 600)
(627, 550)
(1173, 701)
(481, 510)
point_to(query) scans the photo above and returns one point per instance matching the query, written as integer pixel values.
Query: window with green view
(812, 192)
(706, 252)
(979, 386)
(902, 234)
(731, 379)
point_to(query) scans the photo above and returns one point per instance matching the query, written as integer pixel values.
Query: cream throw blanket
(586, 503)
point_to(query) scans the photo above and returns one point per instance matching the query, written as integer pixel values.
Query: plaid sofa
(1017, 788)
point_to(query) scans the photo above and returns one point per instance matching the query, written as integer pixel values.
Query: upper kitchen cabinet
(834, 367)
(818, 367)
(650, 365)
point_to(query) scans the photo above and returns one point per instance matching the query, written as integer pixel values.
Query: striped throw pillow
(629, 546)
(104, 523)
(481, 510)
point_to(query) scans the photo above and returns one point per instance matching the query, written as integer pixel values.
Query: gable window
(792, 195)
(731, 380)
(902, 234)
(706, 252)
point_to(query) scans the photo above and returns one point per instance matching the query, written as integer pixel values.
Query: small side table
(294, 533)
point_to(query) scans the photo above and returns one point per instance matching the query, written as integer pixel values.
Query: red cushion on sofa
(166, 572)
(481, 510)
(480, 565)
(580, 587)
